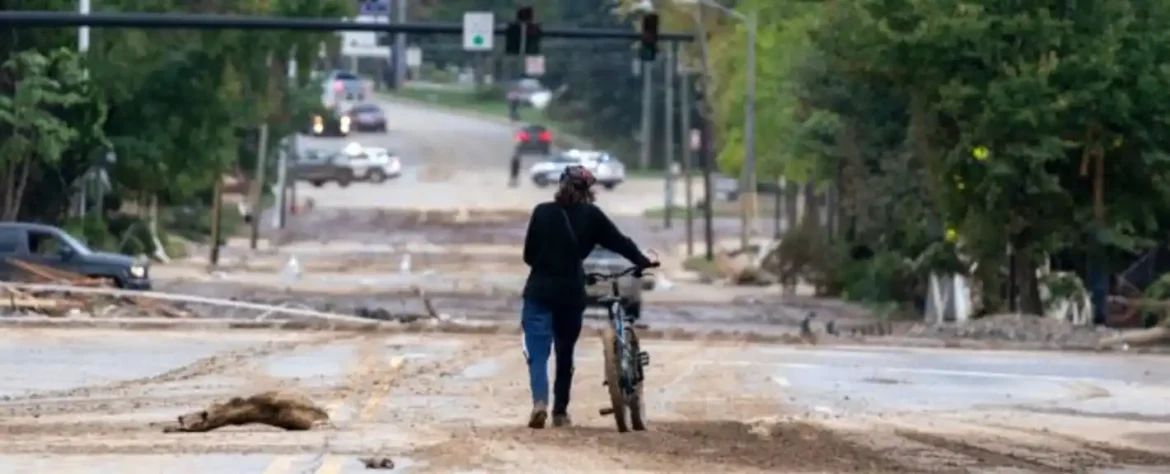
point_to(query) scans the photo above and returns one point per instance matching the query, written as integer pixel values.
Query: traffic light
(649, 49)
(522, 34)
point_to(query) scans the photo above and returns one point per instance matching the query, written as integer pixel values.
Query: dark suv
(52, 247)
(319, 168)
(533, 140)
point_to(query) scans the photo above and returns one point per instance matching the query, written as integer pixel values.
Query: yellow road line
(368, 359)
(369, 408)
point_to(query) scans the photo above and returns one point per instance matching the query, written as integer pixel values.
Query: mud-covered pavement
(93, 401)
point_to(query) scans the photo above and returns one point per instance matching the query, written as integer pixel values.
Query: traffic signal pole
(172, 21)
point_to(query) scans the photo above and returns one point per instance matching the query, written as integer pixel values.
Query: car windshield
(76, 244)
(366, 108)
(345, 76)
(564, 158)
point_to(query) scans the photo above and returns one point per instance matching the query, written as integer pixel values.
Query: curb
(563, 139)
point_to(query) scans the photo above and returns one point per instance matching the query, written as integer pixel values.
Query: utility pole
(399, 46)
(687, 155)
(258, 183)
(216, 212)
(748, 208)
(668, 75)
(707, 152)
(647, 70)
(83, 48)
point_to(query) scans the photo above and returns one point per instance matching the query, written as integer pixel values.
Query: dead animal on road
(377, 463)
(290, 410)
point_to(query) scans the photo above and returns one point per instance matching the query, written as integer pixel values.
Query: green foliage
(171, 104)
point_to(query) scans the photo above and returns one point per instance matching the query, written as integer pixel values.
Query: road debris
(290, 410)
(57, 303)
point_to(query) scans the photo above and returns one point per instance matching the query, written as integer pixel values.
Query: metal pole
(83, 32)
(400, 46)
(258, 185)
(708, 207)
(748, 206)
(83, 7)
(668, 74)
(688, 193)
(647, 111)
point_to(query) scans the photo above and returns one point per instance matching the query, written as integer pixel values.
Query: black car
(330, 124)
(533, 140)
(367, 118)
(52, 247)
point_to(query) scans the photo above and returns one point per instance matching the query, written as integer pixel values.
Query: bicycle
(625, 361)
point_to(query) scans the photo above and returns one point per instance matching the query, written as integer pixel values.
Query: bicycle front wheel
(613, 377)
(635, 403)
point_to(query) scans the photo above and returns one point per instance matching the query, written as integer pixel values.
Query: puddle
(32, 369)
(326, 363)
(481, 370)
(101, 464)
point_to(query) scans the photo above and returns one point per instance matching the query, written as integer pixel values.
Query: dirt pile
(780, 447)
(1019, 328)
(290, 410)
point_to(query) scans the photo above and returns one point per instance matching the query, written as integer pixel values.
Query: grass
(721, 209)
(470, 100)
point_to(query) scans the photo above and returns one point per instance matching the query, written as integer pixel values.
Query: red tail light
(338, 86)
(522, 136)
(545, 136)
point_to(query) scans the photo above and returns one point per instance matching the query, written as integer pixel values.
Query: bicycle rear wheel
(613, 378)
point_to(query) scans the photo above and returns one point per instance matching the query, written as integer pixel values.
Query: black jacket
(557, 274)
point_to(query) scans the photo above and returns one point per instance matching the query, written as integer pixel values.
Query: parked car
(630, 288)
(367, 118)
(52, 247)
(609, 171)
(372, 164)
(319, 167)
(533, 140)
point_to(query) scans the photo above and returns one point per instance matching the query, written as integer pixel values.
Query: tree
(38, 137)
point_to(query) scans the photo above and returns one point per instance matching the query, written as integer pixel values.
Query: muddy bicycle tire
(636, 404)
(613, 379)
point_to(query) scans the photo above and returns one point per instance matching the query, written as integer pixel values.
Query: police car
(608, 170)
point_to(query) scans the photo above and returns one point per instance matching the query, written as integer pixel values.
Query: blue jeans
(546, 330)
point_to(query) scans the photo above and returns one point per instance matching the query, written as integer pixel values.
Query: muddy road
(94, 401)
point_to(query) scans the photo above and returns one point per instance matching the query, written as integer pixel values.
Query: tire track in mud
(116, 396)
(367, 386)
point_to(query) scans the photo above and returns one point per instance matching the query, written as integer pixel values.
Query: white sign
(696, 139)
(364, 44)
(413, 56)
(478, 30)
(534, 65)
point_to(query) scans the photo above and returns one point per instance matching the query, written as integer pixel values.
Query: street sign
(696, 139)
(534, 65)
(478, 30)
(374, 7)
(413, 56)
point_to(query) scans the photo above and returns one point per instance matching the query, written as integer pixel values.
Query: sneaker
(562, 421)
(538, 417)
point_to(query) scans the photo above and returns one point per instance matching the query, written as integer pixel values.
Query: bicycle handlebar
(632, 270)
